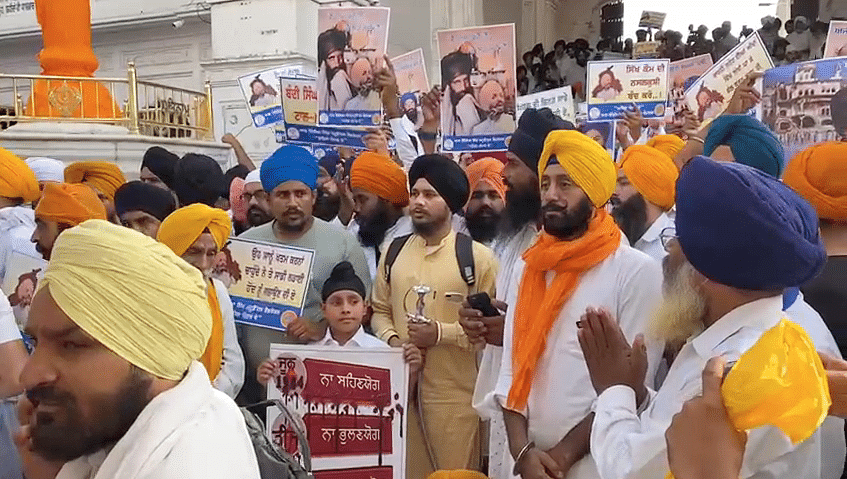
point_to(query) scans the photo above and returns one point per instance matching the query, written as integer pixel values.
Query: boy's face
(344, 310)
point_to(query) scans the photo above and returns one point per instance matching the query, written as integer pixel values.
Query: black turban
(447, 177)
(453, 65)
(198, 179)
(527, 141)
(330, 41)
(343, 278)
(139, 196)
(161, 163)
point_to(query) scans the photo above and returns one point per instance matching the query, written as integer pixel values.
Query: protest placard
(260, 93)
(269, 282)
(478, 81)
(645, 50)
(652, 19)
(709, 96)
(23, 272)
(603, 132)
(351, 47)
(797, 102)
(559, 100)
(836, 41)
(412, 83)
(352, 403)
(683, 74)
(614, 87)
(300, 107)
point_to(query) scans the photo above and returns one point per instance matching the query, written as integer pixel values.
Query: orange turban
(69, 204)
(489, 170)
(667, 144)
(104, 176)
(16, 178)
(182, 227)
(380, 176)
(653, 174)
(819, 174)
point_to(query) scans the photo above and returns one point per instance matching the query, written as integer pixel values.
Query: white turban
(47, 169)
(253, 177)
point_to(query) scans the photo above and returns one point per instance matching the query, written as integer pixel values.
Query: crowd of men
(678, 311)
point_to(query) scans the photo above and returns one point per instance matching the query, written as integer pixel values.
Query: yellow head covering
(182, 227)
(667, 144)
(653, 174)
(132, 294)
(457, 474)
(16, 178)
(104, 176)
(588, 164)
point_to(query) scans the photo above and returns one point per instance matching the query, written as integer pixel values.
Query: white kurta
(402, 227)
(231, 376)
(359, 340)
(629, 284)
(191, 431)
(16, 226)
(629, 446)
(650, 242)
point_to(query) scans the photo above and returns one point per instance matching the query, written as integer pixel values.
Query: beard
(257, 216)
(429, 225)
(523, 206)
(65, 435)
(412, 115)
(326, 206)
(372, 230)
(569, 224)
(631, 217)
(455, 98)
(483, 224)
(681, 314)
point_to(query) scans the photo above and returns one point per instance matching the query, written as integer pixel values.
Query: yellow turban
(16, 178)
(104, 176)
(132, 294)
(490, 170)
(69, 204)
(182, 227)
(457, 474)
(819, 174)
(653, 174)
(381, 176)
(588, 164)
(667, 144)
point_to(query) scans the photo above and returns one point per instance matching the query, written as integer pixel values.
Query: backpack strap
(391, 254)
(464, 256)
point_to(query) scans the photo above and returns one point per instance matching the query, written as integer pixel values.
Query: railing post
(19, 106)
(210, 123)
(132, 101)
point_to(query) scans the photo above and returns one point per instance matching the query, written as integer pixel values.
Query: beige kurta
(447, 381)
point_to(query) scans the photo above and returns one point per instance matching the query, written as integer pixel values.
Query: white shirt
(359, 340)
(231, 376)
(8, 328)
(629, 284)
(504, 124)
(629, 446)
(371, 102)
(407, 150)
(16, 226)
(650, 242)
(191, 431)
(402, 227)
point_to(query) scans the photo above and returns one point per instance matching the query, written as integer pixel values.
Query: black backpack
(464, 256)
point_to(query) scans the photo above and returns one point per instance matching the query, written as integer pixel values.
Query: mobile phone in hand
(482, 302)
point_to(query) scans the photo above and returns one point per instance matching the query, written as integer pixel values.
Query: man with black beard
(334, 88)
(484, 210)
(328, 201)
(256, 199)
(459, 110)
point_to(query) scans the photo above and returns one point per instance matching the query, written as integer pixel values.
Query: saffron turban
(586, 162)
(132, 294)
(198, 179)
(741, 227)
(105, 177)
(752, 143)
(236, 202)
(527, 142)
(667, 144)
(653, 174)
(289, 163)
(819, 174)
(489, 170)
(16, 178)
(69, 204)
(457, 474)
(182, 228)
(47, 169)
(139, 196)
(161, 163)
(379, 175)
(445, 176)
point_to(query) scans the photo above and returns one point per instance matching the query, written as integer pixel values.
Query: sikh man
(458, 107)
(18, 188)
(62, 207)
(157, 167)
(143, 206)
(256, 199)
(196, 233)
(644, 195)
(290, 177)
(47, 170)
(446, 425)
(723, 298)
(579, 260)
(113, 388)
(492, 100)
(361, 76)
(379, 196)
(484, 210)
(103, 177)
(198, 179)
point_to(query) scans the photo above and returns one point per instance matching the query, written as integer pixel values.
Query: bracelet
(697, 139)
(516, 470)
(427, 136)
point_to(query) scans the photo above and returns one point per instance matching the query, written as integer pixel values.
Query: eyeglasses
(260, 195)
(668, 237)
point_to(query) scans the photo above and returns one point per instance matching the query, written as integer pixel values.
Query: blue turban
(289, 163)
(752, 143)
(406, 97)
(743, 228)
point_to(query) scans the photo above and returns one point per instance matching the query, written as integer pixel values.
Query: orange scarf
(539, 306)
(213, 356)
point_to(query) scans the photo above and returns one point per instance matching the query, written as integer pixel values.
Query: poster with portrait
(300, 111)
(616, 86)
(644, 50)
(23, 272)
(683, 74)
(351, 46)
(352, 404)
(261, 94)
(836, 41)
(269, 282)
(709, 96)
(652, 19)
(603, 132)
(478, 81)
(412, 83)
(797, 102)
(559, 100)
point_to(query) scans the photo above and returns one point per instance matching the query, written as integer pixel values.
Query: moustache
(553, 209)
(48, 395)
